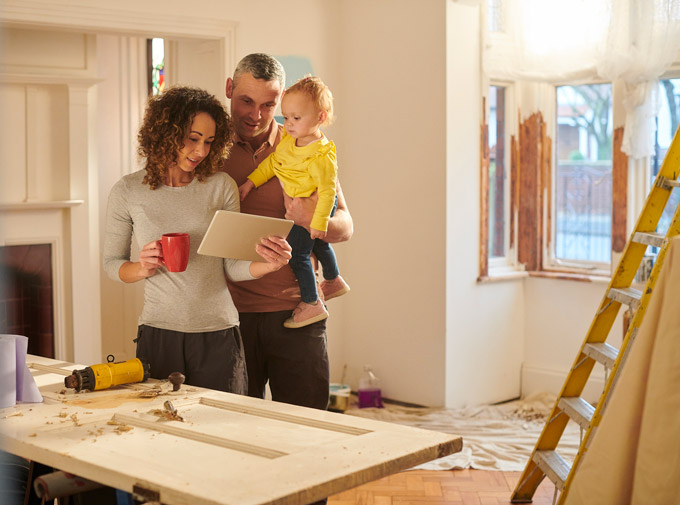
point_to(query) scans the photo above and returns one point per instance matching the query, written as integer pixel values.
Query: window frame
(505, 265)
(550, 263)
(510, 266)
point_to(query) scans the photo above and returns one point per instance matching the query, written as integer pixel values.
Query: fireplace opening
(26, 295)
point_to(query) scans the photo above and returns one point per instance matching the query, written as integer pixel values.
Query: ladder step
(602, 353)
(653, 239)
(577, 409)
(665, 182)
(553, 466)
(629, 296)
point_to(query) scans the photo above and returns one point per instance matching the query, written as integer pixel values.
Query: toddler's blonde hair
(319, 92)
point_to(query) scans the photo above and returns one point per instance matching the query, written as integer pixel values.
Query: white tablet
(235, 235)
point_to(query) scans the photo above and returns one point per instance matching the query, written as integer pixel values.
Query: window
(497, 172)
(155, 66)
(582, 213)
(495, 260)
(666, 125)
(574, 194)
(495, 16)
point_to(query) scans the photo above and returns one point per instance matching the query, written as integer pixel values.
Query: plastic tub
(339, 397)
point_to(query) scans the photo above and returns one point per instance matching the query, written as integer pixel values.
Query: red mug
(175, 251)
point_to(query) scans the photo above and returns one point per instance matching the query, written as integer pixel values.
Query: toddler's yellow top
(301, 171)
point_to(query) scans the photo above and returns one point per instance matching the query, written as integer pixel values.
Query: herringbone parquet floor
(436, 487)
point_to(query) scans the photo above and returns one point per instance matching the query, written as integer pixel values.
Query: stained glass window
(156, 65)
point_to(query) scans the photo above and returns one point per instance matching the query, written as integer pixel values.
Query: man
(293, 360)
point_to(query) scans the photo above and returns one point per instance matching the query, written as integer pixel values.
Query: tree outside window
(666, 125)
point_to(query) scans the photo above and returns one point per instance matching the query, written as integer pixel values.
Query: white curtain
(560, 41)
(547, 40)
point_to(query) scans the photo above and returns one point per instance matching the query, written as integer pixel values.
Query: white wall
(485, 324)
(391, 132)
(558, 314)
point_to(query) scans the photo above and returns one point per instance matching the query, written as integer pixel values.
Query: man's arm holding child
(340, 226)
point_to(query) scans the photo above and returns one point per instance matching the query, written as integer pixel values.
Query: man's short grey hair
(261, 66)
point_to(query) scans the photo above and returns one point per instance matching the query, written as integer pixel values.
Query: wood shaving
(153, 393)
(166, 414)
(33, 435)
(529, 413)
(113, 422)
(162, 389)
(74, 418)
(16, 414)
(62, 414)
(122, 429)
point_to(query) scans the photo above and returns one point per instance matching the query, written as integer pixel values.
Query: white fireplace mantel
(40, 205)
(70, 222)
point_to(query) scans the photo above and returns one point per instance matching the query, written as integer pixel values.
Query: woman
(189, 323)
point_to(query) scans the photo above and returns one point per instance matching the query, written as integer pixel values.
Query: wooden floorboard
(437, 487)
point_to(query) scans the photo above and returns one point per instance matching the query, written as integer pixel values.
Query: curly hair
(320, 94)
(166, 125)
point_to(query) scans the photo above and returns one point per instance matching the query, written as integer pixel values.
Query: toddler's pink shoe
(336, 287)
(306, 313)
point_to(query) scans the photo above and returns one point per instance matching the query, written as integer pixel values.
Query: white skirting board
(538, 380)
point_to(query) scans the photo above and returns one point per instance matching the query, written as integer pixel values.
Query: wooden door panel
(228, 449)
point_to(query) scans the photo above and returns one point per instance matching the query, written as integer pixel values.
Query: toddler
(305, 162)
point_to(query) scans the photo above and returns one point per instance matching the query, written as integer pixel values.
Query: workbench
(219, 448)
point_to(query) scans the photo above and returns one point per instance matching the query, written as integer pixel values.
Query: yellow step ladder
(545, 460)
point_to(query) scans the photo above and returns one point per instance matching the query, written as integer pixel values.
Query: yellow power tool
(108, 374)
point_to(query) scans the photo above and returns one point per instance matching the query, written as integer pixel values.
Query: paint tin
(339, 397)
